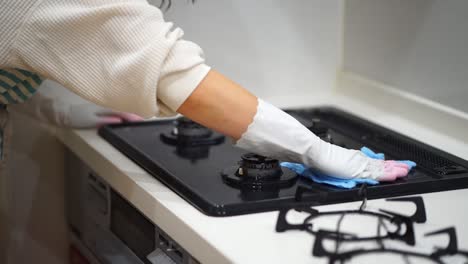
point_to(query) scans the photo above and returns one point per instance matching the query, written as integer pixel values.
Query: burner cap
(258, 167)
(188, 133)
(187, 128)
(193, 153)
(258, 172)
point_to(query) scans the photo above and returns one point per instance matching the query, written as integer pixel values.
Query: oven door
(111, 228)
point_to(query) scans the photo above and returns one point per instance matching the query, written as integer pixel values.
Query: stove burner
(256, 172)
(259, 167)
(188, 133)
(193, 153)
(187, 128)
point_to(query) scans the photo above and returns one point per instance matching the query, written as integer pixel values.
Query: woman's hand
(55, 105)
(276, 134)
(90, 116)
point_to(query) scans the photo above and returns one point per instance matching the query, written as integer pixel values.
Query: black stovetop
(203, 167)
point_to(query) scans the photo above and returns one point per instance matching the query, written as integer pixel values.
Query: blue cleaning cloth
(318, 177)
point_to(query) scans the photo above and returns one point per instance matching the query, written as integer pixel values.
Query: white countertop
(252, 238)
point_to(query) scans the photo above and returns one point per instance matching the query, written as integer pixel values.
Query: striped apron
(16, 86)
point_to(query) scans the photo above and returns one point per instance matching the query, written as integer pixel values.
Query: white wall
(420, 46)
(273, 48)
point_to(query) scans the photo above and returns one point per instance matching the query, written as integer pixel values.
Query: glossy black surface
(194, 171)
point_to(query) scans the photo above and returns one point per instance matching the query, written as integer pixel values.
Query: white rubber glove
(276, 134)
(54, 104)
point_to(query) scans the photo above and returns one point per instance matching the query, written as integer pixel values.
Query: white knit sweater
(119, 54)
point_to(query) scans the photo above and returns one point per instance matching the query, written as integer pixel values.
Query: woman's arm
(119, 54)
(55, 105)
(259, 127)
(222, 105)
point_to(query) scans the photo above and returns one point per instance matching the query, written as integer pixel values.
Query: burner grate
(355, 245)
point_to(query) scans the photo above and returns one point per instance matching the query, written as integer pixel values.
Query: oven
(110, 229)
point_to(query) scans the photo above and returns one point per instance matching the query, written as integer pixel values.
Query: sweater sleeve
(119, 54)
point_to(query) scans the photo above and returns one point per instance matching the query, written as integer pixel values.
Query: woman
(121, 54)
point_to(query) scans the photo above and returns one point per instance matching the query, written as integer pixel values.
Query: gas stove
(205, 169)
